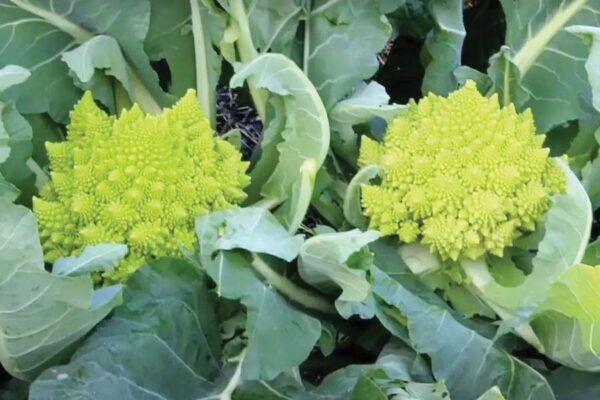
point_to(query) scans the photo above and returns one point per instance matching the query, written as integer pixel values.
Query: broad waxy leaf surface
(42, 314)
(162, 343)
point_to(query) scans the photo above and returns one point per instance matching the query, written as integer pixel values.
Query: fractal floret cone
(140, 180)
(460, 174)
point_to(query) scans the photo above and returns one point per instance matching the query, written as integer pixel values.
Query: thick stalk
(122, 100)
(203, 87)
(306, 53)
(295, 293)
(247, 52)
(267, 202)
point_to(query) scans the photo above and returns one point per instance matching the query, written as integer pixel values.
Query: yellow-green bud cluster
(461, 175)
(139, 180)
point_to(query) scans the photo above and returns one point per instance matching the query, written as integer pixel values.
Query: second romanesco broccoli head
(139, 180)
(461, 175)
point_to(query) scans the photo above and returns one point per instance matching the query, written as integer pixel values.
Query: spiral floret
(139, 180)
(460, 174)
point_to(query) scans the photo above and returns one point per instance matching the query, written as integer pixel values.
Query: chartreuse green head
(460, 174)
(139, 180)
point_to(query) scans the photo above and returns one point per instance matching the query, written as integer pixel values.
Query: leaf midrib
(536, 45)
(77, 32)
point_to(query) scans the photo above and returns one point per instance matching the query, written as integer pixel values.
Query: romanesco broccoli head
(139, 180)
(461, 175)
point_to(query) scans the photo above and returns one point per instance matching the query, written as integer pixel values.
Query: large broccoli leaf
(272, 322)
(455, 350)
(341, 42)
(162, 343)
(38, 33)
(298, 133)
(569, 384)
(443, 46)
(367, 102)
(42, 314)
(325, 262)
(339, 45)
(542, 65)
(567, 322)
(15, 136)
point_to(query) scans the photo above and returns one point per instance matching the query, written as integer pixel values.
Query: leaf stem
(203, 89)
(294, 292)
(122, 100)
(235, 379)
(325, 6)
(536, 45)
(41, 177)
(306, 52)
(267, 202)
(247, 53)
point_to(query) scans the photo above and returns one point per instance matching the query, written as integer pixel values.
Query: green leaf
(341, 42)
(324, 263)
(15, 148)
(101, 257)
(492, 394)
(591, 181)
(467, 303)
(590, 36)
(328, 194)
(100, 52)
(569, 384)
(352, 203)
(252, 228)
(170, 38)
(443, 46)
(162, 343)
(15, 138)
(367, 102)
(592, 253)
(566, 323)
(273, 24)
(457, 351)
(302, 135)
(464, 73)
(272, 324)
(43, 31)
(543, 67)
(12, 75)
(292, 213)
(367, 388)
(339, 45)
(426, 391)
(42, 314)
(8, 193)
